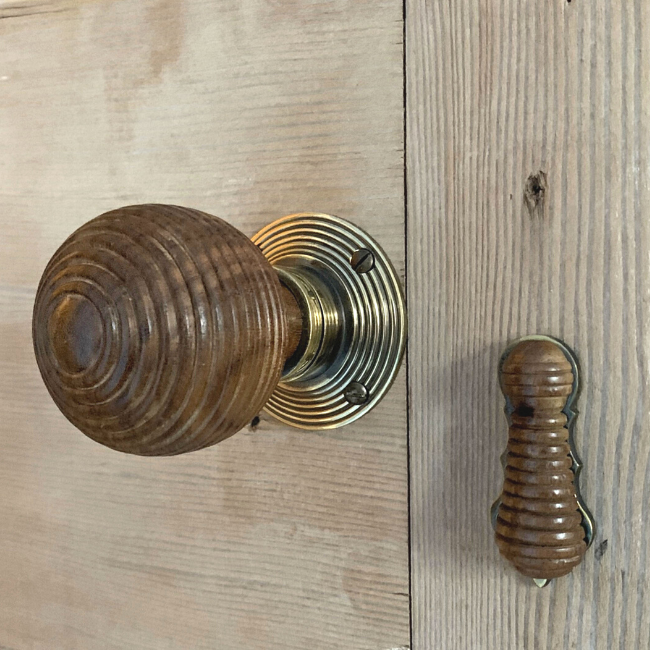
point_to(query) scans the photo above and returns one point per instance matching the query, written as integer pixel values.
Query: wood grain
(538, 519)
(528, 195)
(160, 330)
(249, 110)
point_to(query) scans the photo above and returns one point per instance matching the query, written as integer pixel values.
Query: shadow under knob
(160, 330)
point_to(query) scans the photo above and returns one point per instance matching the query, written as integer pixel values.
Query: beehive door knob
(160, 330)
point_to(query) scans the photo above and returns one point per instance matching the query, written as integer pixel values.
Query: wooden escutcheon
(541, 524)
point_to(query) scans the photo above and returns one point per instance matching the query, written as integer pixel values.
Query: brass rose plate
(355, 331)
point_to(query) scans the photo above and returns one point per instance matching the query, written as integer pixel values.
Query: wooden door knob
(541, 524)
(160, 330)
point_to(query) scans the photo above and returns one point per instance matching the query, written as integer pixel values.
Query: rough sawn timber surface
(497, 92)
(248, 110)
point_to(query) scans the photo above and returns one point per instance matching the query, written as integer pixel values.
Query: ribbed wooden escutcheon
(161, 330)
(538, 527)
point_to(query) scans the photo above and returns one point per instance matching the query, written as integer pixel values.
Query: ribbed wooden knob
(539, 521)
(160, 330)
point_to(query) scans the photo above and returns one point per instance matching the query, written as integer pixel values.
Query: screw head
(362, 260)
(356, 393)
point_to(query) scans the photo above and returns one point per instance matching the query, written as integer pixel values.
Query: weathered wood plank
(496, 93)
(248, 110)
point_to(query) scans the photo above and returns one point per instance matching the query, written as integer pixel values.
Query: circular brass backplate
(355, 320)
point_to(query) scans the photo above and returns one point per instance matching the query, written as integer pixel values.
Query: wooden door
(250, 110)
(527, 140)
(528, 146)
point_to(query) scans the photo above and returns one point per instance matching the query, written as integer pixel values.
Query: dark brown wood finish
(539, 521)
(160, 330)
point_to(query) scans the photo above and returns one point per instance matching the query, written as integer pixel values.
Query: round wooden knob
(160, 330)
(540, 522)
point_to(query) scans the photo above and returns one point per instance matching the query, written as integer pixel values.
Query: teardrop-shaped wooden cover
(159, 330)
(539, 520)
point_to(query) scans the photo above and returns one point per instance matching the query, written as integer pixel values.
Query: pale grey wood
(249, 110)
(497, 91)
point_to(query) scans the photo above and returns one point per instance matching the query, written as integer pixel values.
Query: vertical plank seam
(408, 347)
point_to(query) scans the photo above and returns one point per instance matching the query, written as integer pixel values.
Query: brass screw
(362, 261)
(356, 393)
